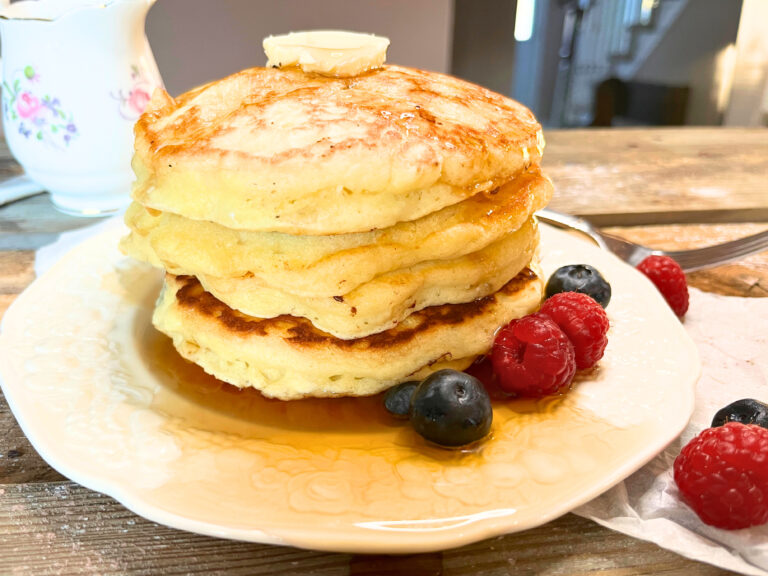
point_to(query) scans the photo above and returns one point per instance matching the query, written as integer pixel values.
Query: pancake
(288, 358)
(388, 299)
(327, 266)
(281, 150)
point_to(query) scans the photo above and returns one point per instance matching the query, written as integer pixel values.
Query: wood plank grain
(647, 176)
(33, 222)
(570, 546)
(63, 528)
(17, 270)
(8, 166)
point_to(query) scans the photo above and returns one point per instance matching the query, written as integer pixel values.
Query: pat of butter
(327, 52)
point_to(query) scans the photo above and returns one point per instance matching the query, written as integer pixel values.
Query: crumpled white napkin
(733, 343)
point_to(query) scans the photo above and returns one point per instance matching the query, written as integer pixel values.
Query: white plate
(105, 401)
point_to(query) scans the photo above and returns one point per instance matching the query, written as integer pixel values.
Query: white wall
(688, 55)
(748, 105)
(195, 41)
(484, 43)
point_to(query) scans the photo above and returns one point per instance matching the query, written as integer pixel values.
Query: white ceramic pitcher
(76, 76)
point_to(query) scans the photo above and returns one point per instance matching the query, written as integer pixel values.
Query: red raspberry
(533, 357)
(669, 279)
(723, 475)
(584, 322)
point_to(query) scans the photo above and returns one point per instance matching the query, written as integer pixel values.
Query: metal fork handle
(568, 222)
(710, 256)
(689, 260)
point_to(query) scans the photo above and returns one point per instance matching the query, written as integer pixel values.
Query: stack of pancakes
(335, 236)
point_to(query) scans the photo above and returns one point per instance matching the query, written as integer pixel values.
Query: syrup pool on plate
(320, 462)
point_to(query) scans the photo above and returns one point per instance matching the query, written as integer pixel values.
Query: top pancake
(280, 150)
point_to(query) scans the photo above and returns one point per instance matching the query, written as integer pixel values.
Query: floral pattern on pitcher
(134, 100)
(36, 117)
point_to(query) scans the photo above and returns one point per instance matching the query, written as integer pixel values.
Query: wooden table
(668, 188)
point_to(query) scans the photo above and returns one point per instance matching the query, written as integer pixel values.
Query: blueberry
(451, 408)
(746, 411)
(580, 278)
(398, 399)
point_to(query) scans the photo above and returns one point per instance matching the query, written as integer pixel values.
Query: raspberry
(669, 279)
(584, 322)
(723, 475)
(532, 357)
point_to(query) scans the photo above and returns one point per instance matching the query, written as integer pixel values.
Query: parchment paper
(732, 336)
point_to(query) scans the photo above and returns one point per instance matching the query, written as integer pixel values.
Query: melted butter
(345, 467)
(327, 52)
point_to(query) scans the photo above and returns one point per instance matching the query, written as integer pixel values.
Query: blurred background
(575, 63)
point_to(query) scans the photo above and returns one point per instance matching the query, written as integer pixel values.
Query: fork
(689, 260)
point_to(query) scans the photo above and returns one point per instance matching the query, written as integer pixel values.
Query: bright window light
(524, 20)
